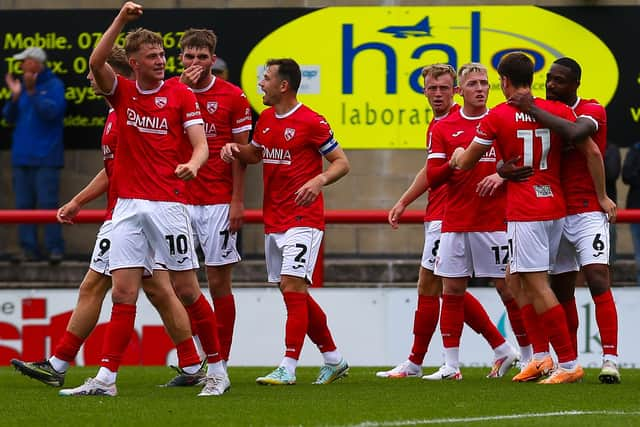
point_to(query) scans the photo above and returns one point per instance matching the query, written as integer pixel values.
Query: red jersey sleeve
(240, 114)
(438, 170)
(322, 136)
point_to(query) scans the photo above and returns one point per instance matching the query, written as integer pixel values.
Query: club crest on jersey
(289, 133)
(212, 106)
(161, 101)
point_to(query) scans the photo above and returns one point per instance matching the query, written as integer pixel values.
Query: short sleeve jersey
(151, 125)
(437, 199)
(514, 133)
(109, 144)
(577, 183)
(225, 111)
(465, 210)
(293, 146)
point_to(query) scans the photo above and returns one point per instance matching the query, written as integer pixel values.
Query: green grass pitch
(361, 399)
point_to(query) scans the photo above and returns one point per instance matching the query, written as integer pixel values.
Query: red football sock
(555, 324)
(317, 329)
(571, 314)
(206, 327)
(535, 330)
(117, 335)
(297, 323)
(477, 318)
(517, 324)
(68, 347)
(424, 325)
(452, 319)
(226, 315)
(187, 354)
(607, 319)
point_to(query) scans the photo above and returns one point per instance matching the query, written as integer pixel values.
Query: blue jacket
(38, 119)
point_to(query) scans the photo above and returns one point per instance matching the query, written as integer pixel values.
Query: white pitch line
(487, 418)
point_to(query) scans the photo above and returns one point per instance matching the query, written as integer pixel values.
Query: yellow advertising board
(361, 65)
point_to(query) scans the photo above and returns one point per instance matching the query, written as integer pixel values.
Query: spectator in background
(631, 177)
(612, 166)
(36, 108)
(220, 69)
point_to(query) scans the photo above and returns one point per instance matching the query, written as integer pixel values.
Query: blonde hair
(437, 70)
(138, 37)
(471, 67)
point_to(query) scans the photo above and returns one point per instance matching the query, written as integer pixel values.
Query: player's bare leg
(84, 318)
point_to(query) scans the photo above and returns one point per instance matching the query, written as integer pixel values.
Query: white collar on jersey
(204, 89)
(150, 91)
(464, 116)
(573, 107)
(290, 112)
(445, 114)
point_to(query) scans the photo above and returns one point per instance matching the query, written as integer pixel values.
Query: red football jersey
(151, 125)
(437, 198)
(292, 146)
(577, 183)
(515, 133)
(225, 111)
(465, 210)
(109, 144)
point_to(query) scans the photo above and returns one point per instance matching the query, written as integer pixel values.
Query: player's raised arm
(104, 76)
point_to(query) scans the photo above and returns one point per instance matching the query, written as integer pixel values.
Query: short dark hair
(199, 38)
(572, 65)
(288, 70)
(518, 68)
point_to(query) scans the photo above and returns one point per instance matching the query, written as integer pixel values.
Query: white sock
(452, 357)
(215, 369)
(289, 364)
(58, 364)
(332, 357)
(106, 376)
(568, 365)
(526, 353)
(611, 358)
(191, 369)
(412, 366)
(540, 356)
(502, 350)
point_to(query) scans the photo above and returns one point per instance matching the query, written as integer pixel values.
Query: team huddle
(175, 153)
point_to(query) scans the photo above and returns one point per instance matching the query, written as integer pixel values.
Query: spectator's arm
(612, 163)
(631, 166)
(50, 103)
(10, 111)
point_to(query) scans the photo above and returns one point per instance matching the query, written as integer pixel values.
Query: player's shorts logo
(161, 101)
(212, 106)
(289, 133)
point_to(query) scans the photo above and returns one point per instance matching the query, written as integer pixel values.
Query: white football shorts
(292, 253)
(431, 244)
(210, 225)
(147, 232)
(585, 240)
(533, 245)
(463, 254)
